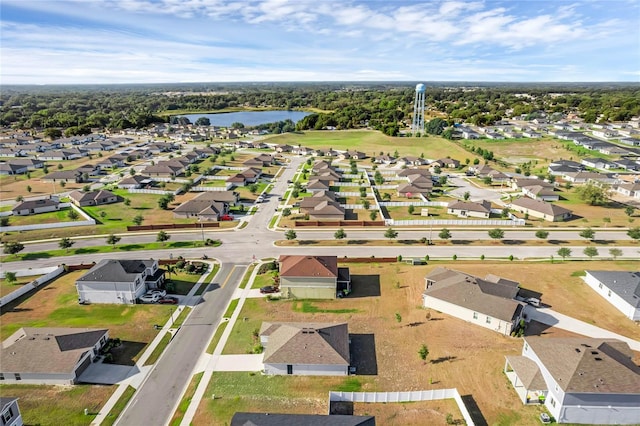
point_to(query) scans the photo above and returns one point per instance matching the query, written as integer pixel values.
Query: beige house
(93, 198)
(490, 302)
(312, 277)
(541, 209)
(470, 209)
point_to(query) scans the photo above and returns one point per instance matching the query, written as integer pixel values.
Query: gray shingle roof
(272, 419)
(625, 284)
(112, 270)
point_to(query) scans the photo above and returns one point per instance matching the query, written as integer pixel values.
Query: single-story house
(164, 170)
(30, 207)
(202, 209)
(312, 277)
(309, 349)
(134, 182)
(384, 159)
(228, 197)
(49, 356)
(315, 185)
(65, 176)
(119, 281)
(584, 177)
(540, 192)
(541, 209)
(276, 419)
(488, 302)
(353, 155)
(629, 189)
(10, 412)
(470, 208)
(410, 160)
(620, 288)
(32, 164)
(13, 169)
(413, 171)
(93, 198)
(448, 163)
(580, 380)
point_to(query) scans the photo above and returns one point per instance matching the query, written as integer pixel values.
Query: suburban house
(629, 189)
(10, 412)
(29, 207)
(584, 177)
(580, 379)
(230, 198)
(119, 281)
(49, 356)
(620, 288)
(446, 163)
(309, 349)
(411, 160)
(65, 176)
(276, 419)
(12, 169)
(413, 171)
(312, 277)
(540, 192)
(164, 169)
(470, 209)
(202, 209)
(92, 198)
(315, 185)
(135, 182)
(541, 209)
(489, 302)
(322, 206)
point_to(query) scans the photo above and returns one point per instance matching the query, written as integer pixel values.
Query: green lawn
(119, 406)
(216, 337)
(241, 339)
(276, 394)
(49, 217)
(264, 279)
(181, 282)
(6, 287)
(247, 275)
(155, 355)
(374, 142)
(63, 405)
(183, 406)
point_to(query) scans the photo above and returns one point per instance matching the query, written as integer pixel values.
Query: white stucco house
(490, 302)
(579, 380)
(620, 288)
(119, 281)
(310, 349)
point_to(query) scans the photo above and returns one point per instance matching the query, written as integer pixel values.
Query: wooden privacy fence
(174, 226)
(339, 223)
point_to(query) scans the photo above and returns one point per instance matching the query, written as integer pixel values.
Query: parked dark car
(168, 300)
(269, 289)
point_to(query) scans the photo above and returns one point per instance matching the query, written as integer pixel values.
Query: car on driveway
(168, 300)
(269, 289)
(226, 217)
(159, 292)
(149, 298)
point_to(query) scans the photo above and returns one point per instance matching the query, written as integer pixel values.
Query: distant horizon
(63, 42)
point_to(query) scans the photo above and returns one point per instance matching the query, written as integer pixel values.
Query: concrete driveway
(250, 362)
(476, 193)
(107, 374)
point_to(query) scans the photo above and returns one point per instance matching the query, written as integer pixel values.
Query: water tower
(417, 126)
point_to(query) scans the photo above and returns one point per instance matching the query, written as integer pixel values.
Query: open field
(468, 358)
(64, 405)
(56, 305)
(373, 142)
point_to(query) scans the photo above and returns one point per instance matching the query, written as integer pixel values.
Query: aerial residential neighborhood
(348, 267)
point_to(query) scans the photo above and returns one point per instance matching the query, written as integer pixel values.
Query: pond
(249, 118)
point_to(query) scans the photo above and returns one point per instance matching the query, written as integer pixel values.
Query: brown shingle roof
(540, 206)
(583, 364)
(308, 266)
(47, 350)
(306, 343)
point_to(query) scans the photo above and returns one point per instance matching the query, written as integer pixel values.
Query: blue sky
(156, 41)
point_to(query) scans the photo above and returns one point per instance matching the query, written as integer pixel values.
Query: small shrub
(455, 257)
(510, 257)
(482, 257)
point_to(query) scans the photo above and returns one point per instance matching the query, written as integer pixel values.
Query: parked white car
(159, 292)
(149, 298)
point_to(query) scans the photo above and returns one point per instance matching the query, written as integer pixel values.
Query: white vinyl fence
(88, 221)
(453, 222)
(30, 286)
(409, 396)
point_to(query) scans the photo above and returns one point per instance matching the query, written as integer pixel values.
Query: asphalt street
(155, 399)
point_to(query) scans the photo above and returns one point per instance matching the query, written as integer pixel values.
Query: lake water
(249, 118)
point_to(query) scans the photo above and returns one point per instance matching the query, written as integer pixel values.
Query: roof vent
(594, 352)
(578, 350)
(598, 359)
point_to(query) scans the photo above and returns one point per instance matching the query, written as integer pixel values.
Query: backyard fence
(340, 223)
(88, 221)
(453, 222)
(409, 396)
(413, 203)
(32, 285)
(150, 191)
(211, 188)
(174, 226)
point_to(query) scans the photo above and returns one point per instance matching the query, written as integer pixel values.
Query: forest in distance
(384, 106)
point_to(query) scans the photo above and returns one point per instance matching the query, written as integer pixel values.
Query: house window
(7, 416)
(289, 369)
(18, 376)
(553, 402)
(1, 376)
(475, 315)
(488, 320)
(600, 285)
(526, 347)
(609, 293)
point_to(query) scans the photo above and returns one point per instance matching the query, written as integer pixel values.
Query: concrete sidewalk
(556, 319)
(139, 371)
(211, 362)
